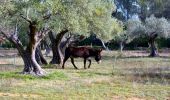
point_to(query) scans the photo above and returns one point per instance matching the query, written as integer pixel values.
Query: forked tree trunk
(56, 49)
(31, 66)
(34, 39)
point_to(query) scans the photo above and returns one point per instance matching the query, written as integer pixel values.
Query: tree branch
(12, 39)
(4, 34)
(28, 20)
(41, 34)
(46, 17)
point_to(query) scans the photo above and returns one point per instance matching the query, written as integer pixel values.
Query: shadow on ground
(156, 75)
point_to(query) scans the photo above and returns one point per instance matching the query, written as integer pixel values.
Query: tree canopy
(75, 15)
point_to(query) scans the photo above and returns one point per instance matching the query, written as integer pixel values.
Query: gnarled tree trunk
(31, 66)
(58, 55)
(34, 39)
(153, 51)
(25, 54)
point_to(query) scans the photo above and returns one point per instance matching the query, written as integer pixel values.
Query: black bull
(82, 52)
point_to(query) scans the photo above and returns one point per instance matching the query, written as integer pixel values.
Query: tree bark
(55, 58)
(35, 37)
(25, 54)
(28, 64)
(39, 56)
(153, 51)
(56, 47)
(31, 65)
(121, 44)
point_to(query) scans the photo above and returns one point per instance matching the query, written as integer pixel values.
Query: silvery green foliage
(78, 16)
(83, 16)
(158, 25)
(135, 28)
(117, 27)
(121, 37)
(117, 32)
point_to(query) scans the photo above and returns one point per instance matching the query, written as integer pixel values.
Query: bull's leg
(84, 63)
(89, 63)
(72, 61)
(65, 59)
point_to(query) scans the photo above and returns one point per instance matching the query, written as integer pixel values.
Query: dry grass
(118, 78)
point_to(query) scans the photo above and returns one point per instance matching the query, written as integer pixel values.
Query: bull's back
(78, 51)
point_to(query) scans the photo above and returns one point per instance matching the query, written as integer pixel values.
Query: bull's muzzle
(99, 61)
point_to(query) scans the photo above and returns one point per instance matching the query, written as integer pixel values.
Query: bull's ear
(100, 50)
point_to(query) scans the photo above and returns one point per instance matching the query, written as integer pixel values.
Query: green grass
(51, 76)
(123, 78)
(59, 75)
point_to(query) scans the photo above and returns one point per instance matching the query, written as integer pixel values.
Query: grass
(53, 75)
(125, 77)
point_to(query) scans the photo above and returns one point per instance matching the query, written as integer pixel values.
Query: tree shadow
(165, 57)
(93, 73)
(8, 67)
(143, 75)
(108, 57)
(134, 57)
(125, 57)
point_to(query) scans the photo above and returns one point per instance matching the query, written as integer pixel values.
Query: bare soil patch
(18, 95)
(8, 52)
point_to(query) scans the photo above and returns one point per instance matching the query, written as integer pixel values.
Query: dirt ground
(127, 53)
(164, 53)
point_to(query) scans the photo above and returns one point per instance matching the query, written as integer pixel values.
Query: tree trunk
(35, 36)
(25, 54)
(39, 56)
(34, 39)
(47, 47)
(56, 55)
(31, 66)
(153, 51)
(55, 58)
(56, 49)
(121, 44)
(28, 64)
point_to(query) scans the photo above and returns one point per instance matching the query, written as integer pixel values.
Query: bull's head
(98, 55)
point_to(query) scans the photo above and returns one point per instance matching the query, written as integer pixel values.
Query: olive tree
(48, 16)
(80, 17)
(119, 35)
(16, 13)
(154, 28)
(128, 31)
